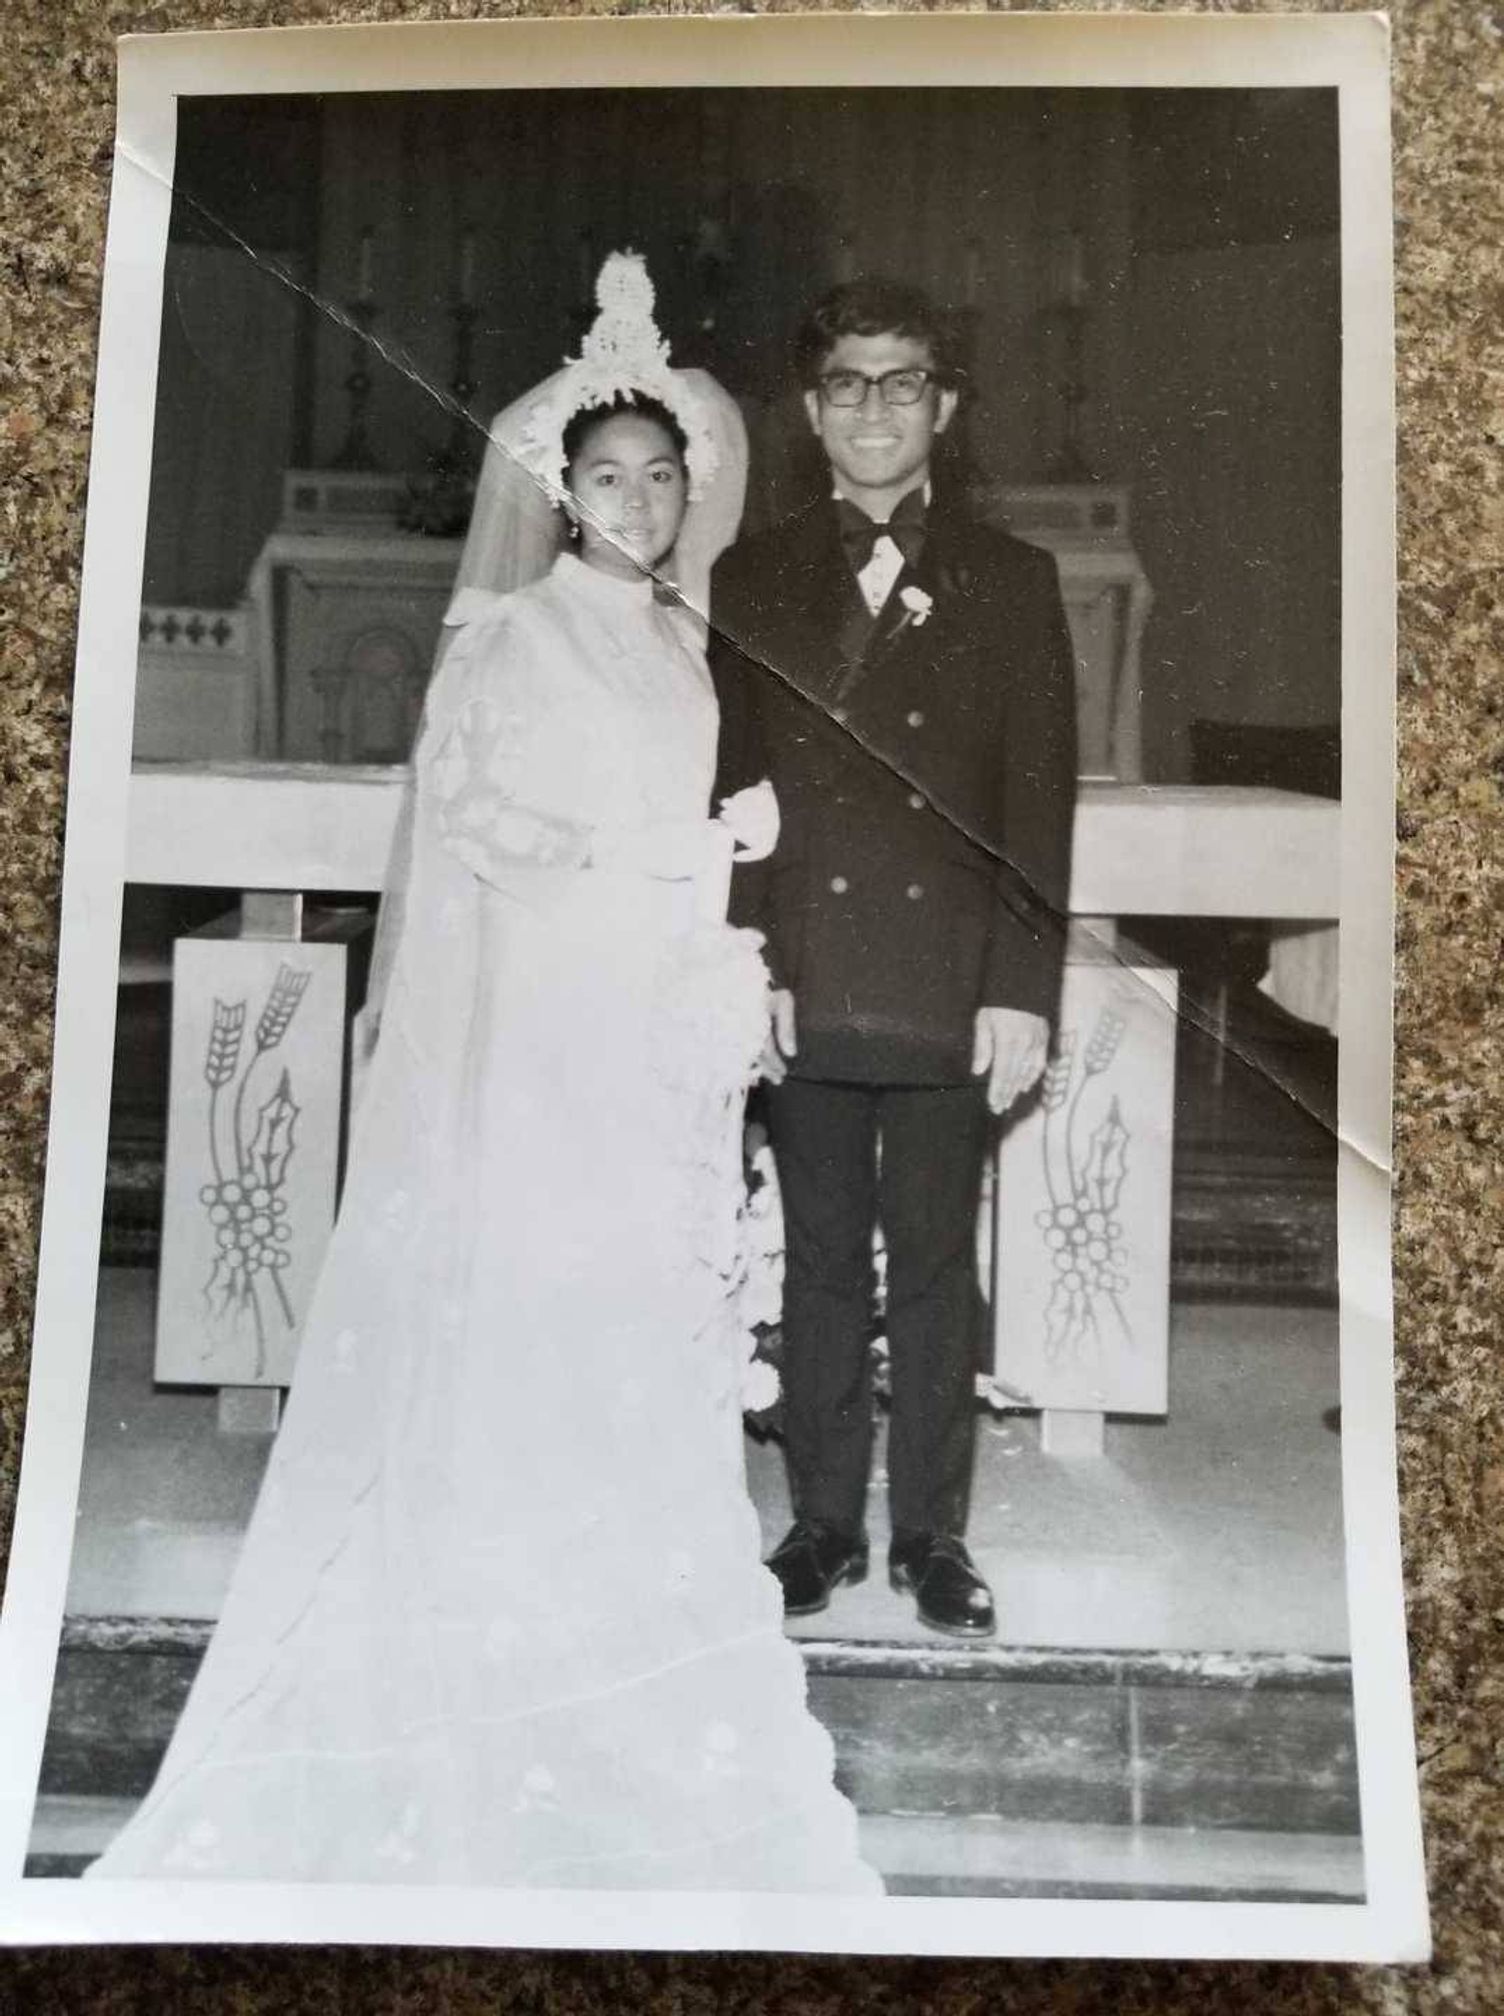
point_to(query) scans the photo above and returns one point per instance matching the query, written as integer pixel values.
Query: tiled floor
(1216, 1530)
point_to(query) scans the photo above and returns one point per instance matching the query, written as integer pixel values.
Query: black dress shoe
(950, 1595)
(811, 1559)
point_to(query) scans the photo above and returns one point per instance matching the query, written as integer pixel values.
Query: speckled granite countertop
(58, 79)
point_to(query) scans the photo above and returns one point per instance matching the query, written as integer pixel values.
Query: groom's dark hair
(874, 307)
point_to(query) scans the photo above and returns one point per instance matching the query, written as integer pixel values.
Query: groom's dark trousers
(825, 1137)
(924, 764)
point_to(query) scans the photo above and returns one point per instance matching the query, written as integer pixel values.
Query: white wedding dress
(500, 1617)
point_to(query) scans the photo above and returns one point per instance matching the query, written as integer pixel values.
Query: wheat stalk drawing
(1081, 1223)
(246, 1207)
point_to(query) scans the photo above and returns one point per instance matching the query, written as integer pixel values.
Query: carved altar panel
(195, 685)
(347, 626)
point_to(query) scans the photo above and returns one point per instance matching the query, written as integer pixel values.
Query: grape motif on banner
(250, 1147)
(1081, 1223)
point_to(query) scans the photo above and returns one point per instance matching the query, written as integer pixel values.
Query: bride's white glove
(684, 850)
(669, 850)
(752, 817)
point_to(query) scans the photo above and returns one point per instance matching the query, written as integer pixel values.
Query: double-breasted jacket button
(914, 891)
(914, 717)
(839, 884)
(916, 801)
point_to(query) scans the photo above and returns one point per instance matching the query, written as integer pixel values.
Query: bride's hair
(581, 424)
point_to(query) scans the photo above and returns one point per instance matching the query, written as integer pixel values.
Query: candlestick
(1071, 465)
(364, 286)
(439, 501)
(973, 272)
(356, 452)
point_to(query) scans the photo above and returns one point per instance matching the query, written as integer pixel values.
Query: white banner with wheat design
(252, 1154)
(1082, 1268)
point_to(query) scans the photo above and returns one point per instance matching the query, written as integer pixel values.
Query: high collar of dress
(612, 594)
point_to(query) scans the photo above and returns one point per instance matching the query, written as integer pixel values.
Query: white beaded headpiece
(622, 354)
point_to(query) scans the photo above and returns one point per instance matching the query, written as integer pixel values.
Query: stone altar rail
(1161, 850)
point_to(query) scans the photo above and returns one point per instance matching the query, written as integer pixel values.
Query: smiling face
(878, 452)
(627, 479)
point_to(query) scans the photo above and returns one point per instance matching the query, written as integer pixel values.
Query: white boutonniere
(917, 604)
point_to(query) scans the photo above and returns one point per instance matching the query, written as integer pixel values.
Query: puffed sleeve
(477, 761)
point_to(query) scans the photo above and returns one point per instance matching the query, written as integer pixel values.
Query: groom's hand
(782, 1040)
(1012, 1047)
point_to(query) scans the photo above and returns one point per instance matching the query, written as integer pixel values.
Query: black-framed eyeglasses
(903, 387)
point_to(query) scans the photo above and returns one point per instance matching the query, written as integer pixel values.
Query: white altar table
(1142, 850)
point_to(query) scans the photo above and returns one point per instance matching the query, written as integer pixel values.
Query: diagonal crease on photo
(1187, 1011)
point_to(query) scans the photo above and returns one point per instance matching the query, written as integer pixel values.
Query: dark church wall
(1200, 228)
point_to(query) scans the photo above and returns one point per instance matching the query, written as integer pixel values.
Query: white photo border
(1348, 53)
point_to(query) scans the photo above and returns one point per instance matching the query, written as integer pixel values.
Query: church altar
(1107, 600)
(1075, 1341)
(328, 654)
(346, 623)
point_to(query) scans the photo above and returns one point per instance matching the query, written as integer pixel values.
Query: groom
(903, 673)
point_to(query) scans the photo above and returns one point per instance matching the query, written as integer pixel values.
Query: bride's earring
(571, 528)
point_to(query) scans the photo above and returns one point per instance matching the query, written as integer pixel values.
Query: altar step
(1126, 1759)
(994, 1771)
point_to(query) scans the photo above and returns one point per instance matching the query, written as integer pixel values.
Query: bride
(500, 1616)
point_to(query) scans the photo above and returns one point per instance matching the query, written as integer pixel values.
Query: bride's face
(627, 478)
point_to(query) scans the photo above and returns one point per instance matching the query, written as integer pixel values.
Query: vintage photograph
(721, 1267)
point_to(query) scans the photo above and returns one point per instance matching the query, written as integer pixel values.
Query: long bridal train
(500, 1617)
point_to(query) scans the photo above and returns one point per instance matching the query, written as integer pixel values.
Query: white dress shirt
(876, 579)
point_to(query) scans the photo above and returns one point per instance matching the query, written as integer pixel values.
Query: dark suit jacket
(926, 781)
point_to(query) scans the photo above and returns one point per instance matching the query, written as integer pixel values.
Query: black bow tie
(859, 533)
